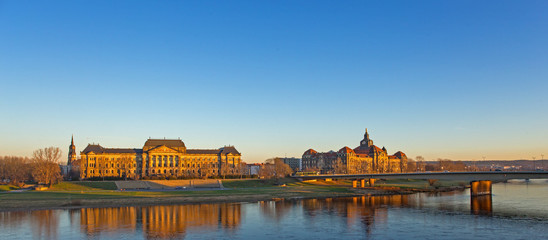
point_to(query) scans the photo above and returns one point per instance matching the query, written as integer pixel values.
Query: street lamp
(534, 164)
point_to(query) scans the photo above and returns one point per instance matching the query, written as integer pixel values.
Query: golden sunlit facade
(157, 158)
(366, 158)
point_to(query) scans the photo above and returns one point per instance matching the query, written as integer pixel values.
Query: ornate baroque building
(158, 157)
(366, 158)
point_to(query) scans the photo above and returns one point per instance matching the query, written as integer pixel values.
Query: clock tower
(366, 142)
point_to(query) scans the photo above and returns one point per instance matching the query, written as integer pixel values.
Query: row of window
(112, 171)
(111, 165)
(212, 165)
(175, 171)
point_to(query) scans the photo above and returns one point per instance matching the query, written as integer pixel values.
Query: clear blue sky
(441, 79)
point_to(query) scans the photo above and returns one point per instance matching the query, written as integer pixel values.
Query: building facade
(159, 158)
(294, 163)
(366, 158)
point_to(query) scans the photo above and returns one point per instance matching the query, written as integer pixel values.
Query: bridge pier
(371, 182)
(481, 205)
(354, 183)
(478, 188)
(362, 183)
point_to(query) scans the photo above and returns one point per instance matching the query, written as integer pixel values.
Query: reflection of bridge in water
(480, 182)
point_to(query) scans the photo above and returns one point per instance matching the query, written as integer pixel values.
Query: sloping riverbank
(235, 191)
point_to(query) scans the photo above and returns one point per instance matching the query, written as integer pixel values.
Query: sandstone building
(366, 158)
(158, 157)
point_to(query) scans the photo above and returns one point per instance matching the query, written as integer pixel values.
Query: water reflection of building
(160, 221)
(96, 220)
(276, 210)
(368, 210)
(44, 223)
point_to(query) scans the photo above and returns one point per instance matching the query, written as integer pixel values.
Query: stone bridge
(480, 182)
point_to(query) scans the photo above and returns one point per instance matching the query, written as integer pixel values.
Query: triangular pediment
(163, 149)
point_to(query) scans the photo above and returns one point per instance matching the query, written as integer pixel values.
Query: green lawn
(4, 188)
(255, 183)
(83, 186)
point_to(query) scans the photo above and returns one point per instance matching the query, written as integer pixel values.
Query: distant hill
(505, 164)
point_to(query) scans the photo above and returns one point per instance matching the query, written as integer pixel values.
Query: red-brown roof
(400, 154)
(346, 150)
(310, 151)
(376, 149)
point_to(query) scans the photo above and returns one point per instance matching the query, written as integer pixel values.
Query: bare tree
(421, 165)
(275, 168)
(75, 169)
(102, 166)
(266, 171)
(225, 169)
(340, 167)
(127, 164)
(14, 169)
(205, 170)
(46, 165)
(411, 165)
(242, 169)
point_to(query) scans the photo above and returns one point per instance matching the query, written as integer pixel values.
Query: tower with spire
(72, 152)
(366, 142)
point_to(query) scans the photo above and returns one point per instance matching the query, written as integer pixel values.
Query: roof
(400, 154)
(228, 150)
(174, 143)
(93, 148)
(362, 150)
(96, 148)
(123, 150)
(310, 152)
(346, 150)
(202, 151)
(375, 149)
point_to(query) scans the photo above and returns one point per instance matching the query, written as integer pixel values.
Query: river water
(517, 210)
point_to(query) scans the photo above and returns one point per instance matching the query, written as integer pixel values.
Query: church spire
(72, 151)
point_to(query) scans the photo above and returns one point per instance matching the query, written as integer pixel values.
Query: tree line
(42, 167)
(420, 165)
(274, 168)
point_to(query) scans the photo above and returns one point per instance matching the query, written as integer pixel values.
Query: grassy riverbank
(100, 194)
